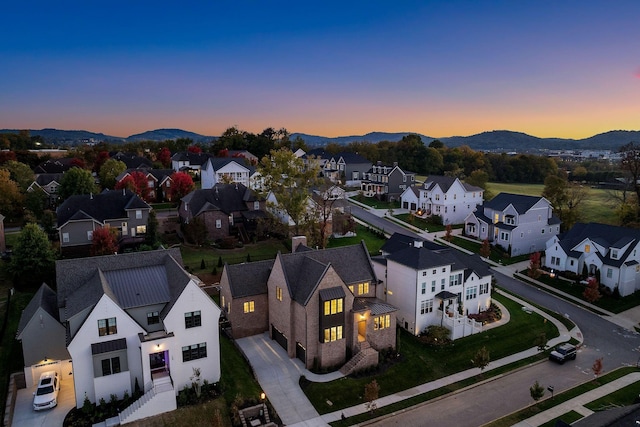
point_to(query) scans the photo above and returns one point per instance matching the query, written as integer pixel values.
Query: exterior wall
(43, 337)
(360, 168)
(407, 198)
(401, 293)
(139, 314)
(192, 299)
(210, 218)
(382, 338)
(132, 222)
(247, 324)
(280, 312)
(80, 351)
(77, 232)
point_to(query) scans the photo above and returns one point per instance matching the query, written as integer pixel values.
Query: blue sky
(548, 68)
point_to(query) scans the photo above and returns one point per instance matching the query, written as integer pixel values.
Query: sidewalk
(577, 403)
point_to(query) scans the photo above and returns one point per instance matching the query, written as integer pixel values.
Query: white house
(135, 321)
(611, 251)
(446, 196)
(225, 170)
(433, 285)
(520, 224)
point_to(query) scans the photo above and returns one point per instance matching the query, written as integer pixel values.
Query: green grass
(423, 224)
(559, 398)
(192, 256)
(496, 255)
(609, 303)
(568, 418)
(568, 323)
(375, 203)
(622, 397)
(597, 207)
(237, 377)
(373, 241)
(421, 364)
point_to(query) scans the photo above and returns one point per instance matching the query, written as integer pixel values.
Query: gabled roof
(107, 205)
(44, 298)
(305, 268)
(44, 179)
(423, 259)
(520, 202)
(54, 165)
(351, 158)
(227, 198)
(608, 236)
(198, 159)
(220, 162)
(130, 280)
(399, 241)
(445, 183)
(133, 161)
(249, 278)
(377, 307)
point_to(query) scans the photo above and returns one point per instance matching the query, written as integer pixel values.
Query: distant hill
(497, 140)
(165, 134)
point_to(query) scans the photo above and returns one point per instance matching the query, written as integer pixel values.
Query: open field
(598, 206)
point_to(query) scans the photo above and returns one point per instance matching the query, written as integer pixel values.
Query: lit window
(278, 293)
(333, 306)
(107, 326)
(587, 248)
(141, 229)
(249, 306)
(381, 322)
(363, 288)
(333, 334)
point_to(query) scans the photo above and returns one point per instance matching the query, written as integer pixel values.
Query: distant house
(133, 161)
(48, 183)
(158, 181)
(386, 182)
(608, 252)
(349, 168)
(433, 285)
(59, 165)
(520, 224)
(225, 170)
(244, 156)
(128, 321)
(448, 197)
(186, 161)
(225, 209)
(80, 215)
(319, 305)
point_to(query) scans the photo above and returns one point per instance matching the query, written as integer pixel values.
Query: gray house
(387, 182)
(520, 224)
(80, 215)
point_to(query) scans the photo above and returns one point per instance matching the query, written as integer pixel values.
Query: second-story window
(107, 326)
(278, 293)
(192, 319)
(333, 306)
(153, 318)
(138, 214)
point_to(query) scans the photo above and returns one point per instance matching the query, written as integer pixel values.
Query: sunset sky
(567, 69)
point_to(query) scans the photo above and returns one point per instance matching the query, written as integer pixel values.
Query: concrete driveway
(25, 416)
(278, 375)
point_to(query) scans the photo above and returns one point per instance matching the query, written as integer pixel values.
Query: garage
(279, 337)
(301, 353)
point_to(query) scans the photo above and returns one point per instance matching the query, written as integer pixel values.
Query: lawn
(622, 397)
(559, 398)
(496, 255)
(373, 240)
(597, 207)
(423, 224)
(421, 364)
(609, 303)
(375, 203)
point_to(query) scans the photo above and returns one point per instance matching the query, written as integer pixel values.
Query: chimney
(297, 241)
(395, 164)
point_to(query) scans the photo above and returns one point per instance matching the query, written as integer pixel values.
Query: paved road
(376, 221)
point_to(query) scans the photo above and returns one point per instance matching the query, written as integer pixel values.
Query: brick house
(319, 305)
(225, 209)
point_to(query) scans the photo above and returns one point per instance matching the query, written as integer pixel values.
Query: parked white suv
(46, 395)
(563, 352)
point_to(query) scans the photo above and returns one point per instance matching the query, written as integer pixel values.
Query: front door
(362, 330)
(158, 362)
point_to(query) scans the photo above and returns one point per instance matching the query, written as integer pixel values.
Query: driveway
(25, 416)
(278, 376)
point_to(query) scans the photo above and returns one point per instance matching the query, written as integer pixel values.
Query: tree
(76, 181)
(181, 185)
(100, 160)
(479, 178)
(164, 157)
(597, 368)
(447, 233)
(591, 292)
(481, 358)
(10, 198)
(151, 236)
(109, 171)
(135, 182)
(194, 149)
(104, 241)
(32, 261)
(541, 341)
(287, 178)
(48, 223)
(35, 201)
(485, 249)
(537, 391)
(371, 392)
(534, 265)
(631, 164)
(20, 173)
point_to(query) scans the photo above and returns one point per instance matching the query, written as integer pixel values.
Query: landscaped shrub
(436, 336)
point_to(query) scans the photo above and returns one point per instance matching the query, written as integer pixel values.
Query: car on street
(46, 395)
(563, 352)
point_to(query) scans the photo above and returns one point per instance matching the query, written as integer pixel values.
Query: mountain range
(497, 140)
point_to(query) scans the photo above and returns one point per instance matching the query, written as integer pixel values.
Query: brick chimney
(297, 241)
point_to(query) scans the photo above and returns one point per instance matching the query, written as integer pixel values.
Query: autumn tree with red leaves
(104, 242)
(164, 157)
(485, 249)
(136, 182)
(78, 162)
(534, 265)
(194, 149)
(102, 157)
(181, 185)
(591, 291)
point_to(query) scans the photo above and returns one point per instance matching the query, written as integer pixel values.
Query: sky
(568, 69)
